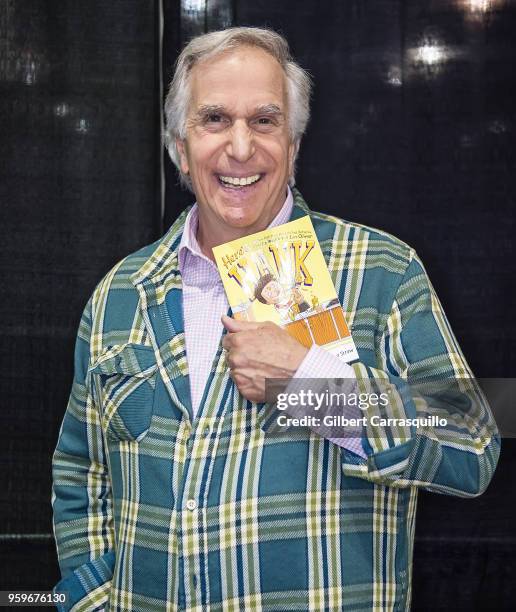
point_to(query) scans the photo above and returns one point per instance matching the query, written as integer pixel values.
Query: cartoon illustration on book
(280, 275)
(288, 303)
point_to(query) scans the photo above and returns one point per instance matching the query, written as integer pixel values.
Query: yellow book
(280, 275)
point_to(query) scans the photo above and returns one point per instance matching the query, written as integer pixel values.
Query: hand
(256, 351)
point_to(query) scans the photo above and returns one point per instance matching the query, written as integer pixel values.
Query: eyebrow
(268, 109)
(208, 109)
(265, 109)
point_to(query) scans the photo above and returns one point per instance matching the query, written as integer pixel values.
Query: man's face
(237, 132)
(272, 292)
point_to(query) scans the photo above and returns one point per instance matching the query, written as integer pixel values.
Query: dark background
(412, 131)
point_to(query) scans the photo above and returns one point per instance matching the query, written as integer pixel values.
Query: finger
(259, 369)
(239, 379)
(232, 325)
(245, 385)
(233, 343)
(236, 359)
(227, 341)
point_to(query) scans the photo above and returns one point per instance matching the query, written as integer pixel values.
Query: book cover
(280, 275)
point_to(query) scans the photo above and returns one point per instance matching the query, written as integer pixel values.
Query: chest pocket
(124, 381)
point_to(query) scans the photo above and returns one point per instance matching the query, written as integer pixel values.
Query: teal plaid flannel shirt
(154, 510)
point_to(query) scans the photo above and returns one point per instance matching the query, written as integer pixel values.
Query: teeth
(233, 180)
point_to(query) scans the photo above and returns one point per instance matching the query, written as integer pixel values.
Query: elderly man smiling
(170, 491)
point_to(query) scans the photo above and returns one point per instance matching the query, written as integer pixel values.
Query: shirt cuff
(320, 363)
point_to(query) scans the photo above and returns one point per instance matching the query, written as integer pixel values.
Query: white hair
(209, 45)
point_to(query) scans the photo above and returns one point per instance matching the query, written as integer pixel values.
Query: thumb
(232, 325)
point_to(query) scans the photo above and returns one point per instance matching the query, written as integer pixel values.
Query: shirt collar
(189, 245)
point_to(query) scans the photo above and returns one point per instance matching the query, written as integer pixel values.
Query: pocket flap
(130, 359)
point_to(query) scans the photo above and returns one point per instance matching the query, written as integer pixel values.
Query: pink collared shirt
(204, 303)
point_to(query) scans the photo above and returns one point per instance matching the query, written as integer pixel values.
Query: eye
(214, 121)
(265, 123)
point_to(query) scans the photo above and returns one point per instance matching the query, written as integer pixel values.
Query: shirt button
(206, 432)
(191, 504)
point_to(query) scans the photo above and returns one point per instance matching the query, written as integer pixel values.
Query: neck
(210, 234)
(207, 238)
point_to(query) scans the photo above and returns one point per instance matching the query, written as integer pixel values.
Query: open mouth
(235, 182)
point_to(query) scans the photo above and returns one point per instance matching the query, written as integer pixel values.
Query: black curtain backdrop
(80, 189)
(412, 132)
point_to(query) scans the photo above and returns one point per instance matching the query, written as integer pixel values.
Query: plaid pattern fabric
(205, 301)
(155, 510)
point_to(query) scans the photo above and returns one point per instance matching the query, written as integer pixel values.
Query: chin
(240, 221)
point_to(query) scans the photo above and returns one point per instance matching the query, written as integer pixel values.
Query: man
(170, 491)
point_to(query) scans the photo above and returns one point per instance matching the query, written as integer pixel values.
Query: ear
(183, 158)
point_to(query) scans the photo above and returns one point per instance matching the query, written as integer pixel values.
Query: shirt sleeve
(436, 430)
(321, 364)
(81, 492)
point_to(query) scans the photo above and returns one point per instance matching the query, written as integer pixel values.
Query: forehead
(239, 79)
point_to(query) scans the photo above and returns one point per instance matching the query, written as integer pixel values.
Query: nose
(240, 145)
